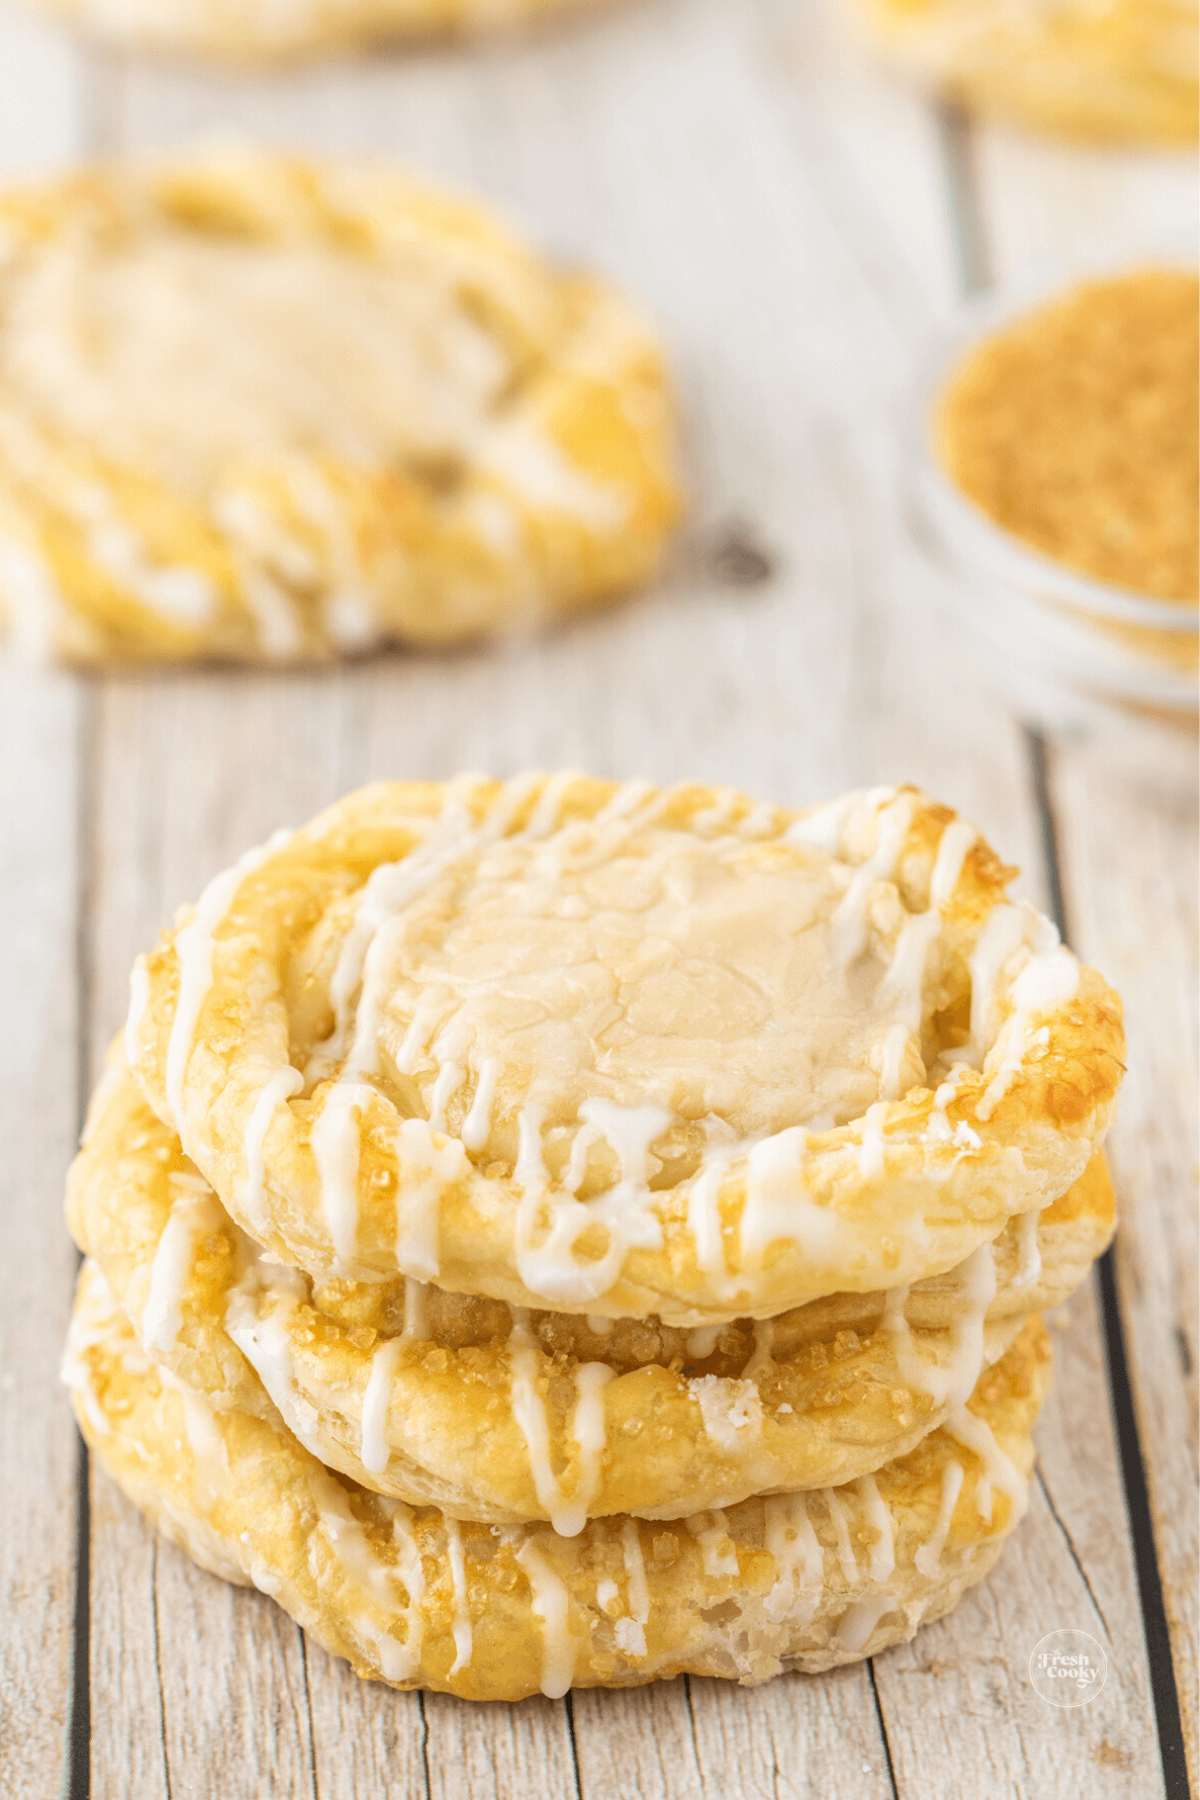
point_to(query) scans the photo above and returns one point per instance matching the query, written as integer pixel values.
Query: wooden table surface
(797, 225)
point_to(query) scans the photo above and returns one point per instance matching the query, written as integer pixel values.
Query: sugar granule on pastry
(260, 408)
(621, 1050)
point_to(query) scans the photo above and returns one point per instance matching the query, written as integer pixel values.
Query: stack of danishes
(551, 1231)
(261, 408)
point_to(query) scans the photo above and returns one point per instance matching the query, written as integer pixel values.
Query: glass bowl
(1078, 656)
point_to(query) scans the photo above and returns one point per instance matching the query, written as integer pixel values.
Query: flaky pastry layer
(626, 1051)
(489, 1613)
(495, 1415)
(269, 409)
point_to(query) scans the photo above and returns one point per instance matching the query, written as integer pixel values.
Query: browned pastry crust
(490, 1613)
(966, 1066)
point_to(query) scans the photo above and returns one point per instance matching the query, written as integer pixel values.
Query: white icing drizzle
(895, 1045)
(1001, 936)
(416, 1309)
(389, 888)
(478, 1123)
(704, 1220)
(903, 987)
(1049, 979)
(253, 1200)
(411, 1571)
(983, 1499)
(361, 1563)
(589, 1430)
(799, 1559)
(567, 1514)
(849, 923)
(265, 1344)
(759, 822)
(336, 1140)
(976, 1283)
(599, 1325)
(953, 845)
(375, 1450)
(718, 1554)
(550, 1603)
(550, 1268)
(928, 1557)
(860, 1619)
(139, 1000)
(450, 1078)
(464, 1637)
(194, 948)
(210, 1458)
(824, 825)
(777, 1207)
(871, 1150)
(847, 1561)
(701, 1343)
(761, 1362)
(975, 1434)
(939, 1128)
(1029, 1265)
(194, 1214)
(427, 1168)
(878, 1516)
(714, 818)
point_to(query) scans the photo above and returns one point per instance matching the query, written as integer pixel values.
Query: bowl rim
(1001, 552)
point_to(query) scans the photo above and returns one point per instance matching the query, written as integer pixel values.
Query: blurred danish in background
(261, 409)
(1116, 71)
(267, 31)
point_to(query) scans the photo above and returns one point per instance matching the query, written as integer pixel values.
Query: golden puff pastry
(499, 1416)
(625, 1051)
(270, 31)
(495, 1613)
(262, 408)
(1090, 69)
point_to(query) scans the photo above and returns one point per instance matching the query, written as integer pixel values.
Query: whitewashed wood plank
(1046, 204)
(128, 1751)
(39, 825)
(366, 1739)
(234, 1695)
(477, 1751)
(41, 87)
(39, 1099)
(803, 1734)
(963, 1717)
(1129, 866)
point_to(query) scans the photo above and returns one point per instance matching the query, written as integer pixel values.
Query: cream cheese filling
(624, 992)
(183, 352)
